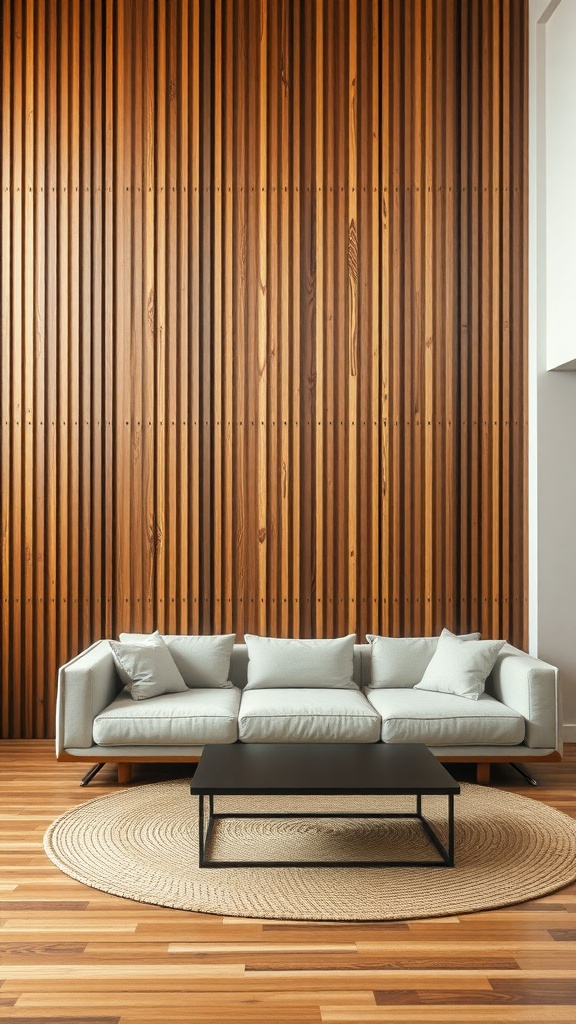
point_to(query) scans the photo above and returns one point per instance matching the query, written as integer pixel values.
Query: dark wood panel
(263, 285)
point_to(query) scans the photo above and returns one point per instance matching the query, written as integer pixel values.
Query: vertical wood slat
(263, 293)
(17, 503)
(9, 714)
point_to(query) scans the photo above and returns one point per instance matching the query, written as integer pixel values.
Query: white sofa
(515, 719)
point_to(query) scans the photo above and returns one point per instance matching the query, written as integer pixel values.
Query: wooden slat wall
(263, 323)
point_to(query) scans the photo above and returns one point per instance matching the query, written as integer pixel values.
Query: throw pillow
(317, 664)
(147, 669)
(402, 661)
(203, 661)
(460, 666)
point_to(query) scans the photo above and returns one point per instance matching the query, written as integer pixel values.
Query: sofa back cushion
(402, 661)
(275, 662)
(360, 674)
(460, 668)
(203, 661)
(147, 668)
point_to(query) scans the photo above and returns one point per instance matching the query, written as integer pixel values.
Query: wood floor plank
(456, 947)
(539, 991)
(451, 1015)
(557, 957)
(74, 955)
(284, 981)
(19, 1014)
(122, 969)
(500, 993)
(238, 948)
(100, 999)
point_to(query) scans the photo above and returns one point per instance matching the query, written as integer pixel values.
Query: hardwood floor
(74, 955)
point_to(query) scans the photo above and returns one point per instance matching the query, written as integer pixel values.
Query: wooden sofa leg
(483, 772)
(124, 773)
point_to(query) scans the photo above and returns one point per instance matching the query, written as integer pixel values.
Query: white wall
(552, 338)
(560, 38)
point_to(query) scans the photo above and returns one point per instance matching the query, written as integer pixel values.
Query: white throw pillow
(203, 661)
(276, 662)
(147, 669)
(402, 661)
(460, 666)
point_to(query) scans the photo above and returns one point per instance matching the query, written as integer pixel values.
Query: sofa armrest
(86, 685)
(530, 686)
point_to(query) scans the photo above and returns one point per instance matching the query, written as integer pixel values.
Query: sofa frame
(89, 682)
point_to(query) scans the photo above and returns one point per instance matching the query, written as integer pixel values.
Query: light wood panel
(71, 953)
(263, 323)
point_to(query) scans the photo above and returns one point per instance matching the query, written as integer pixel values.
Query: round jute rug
(141, 843)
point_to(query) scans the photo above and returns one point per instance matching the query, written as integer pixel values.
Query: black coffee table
(322, 769)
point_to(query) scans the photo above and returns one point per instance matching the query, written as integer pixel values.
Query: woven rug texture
(142, 844)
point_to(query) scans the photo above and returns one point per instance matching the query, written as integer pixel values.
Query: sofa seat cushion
(195, 717)
(443, 719)
(306, 715)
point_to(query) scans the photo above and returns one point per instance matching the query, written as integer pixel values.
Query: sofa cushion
(292, 663)
(402, 661)
(196, 716)
(298, 715)
(459, 666)
(201, 660)
(147, 669)
(443, 719)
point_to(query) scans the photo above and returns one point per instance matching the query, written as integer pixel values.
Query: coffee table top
(305, 769)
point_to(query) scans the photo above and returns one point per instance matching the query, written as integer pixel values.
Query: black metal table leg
(203, 839)
(201, 830)
(450, 863)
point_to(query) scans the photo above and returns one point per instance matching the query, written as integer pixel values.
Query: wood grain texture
(263, 314)
(71, 953)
